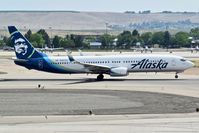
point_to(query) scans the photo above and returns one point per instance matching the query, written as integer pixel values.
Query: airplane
(143, 49)
(195, 49)
(46, 48)
(146, 49)
(7, 48)
(113, 65)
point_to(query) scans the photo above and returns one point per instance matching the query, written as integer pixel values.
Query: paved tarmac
(31, 102)
(167, 123)
(25, 92)
(24, 107)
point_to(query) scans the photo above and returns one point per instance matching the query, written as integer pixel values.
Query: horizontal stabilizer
(19, 60)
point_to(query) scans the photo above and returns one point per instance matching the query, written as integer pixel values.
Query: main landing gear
(100, 77)
(176, 76)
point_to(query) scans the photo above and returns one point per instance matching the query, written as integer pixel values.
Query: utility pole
(5, 31)
(106, 28)
(50, 29)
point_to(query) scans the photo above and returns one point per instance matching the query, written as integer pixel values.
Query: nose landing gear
(176, 76)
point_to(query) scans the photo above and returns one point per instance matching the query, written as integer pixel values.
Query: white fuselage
(133, 63)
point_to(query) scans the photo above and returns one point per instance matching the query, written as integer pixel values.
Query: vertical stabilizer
(23, 48)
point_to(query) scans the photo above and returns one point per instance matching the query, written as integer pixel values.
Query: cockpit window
(183, 60)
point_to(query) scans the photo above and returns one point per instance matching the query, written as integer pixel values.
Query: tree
(106, 40)
(147, 38)
(89, 38)
(78, 40)
(56, 41)
(1, 43)
(45, 36)
(135, 33)
(158, 38)
(67, 43)
(182, 39)
(28, 34)
(7, 41)
(195, 33)
(37, 40)
(72, 37)
(167, 39)
(173, 42)
(135, 37)
(124, 39)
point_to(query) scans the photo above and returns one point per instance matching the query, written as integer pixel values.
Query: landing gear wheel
(176, 76)
(100, 77)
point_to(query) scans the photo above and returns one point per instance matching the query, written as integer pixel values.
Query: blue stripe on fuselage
(47, 65)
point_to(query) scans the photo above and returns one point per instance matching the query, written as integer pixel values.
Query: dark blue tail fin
(23, 48)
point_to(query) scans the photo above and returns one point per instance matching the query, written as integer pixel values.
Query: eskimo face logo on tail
(20, 46)
(146, 64)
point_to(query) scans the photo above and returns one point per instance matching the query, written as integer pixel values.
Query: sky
(102, 5)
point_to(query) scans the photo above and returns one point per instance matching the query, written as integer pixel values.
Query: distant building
(95, 45)
(115, 42)
(130, 12)
(156, 45)
(138, 44)
(145, 12)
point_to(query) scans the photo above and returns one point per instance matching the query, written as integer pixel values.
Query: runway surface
(80, 102)
(25, 107)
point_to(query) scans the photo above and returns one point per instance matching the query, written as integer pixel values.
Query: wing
(94, 68)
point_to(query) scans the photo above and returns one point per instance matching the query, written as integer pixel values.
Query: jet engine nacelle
(119, 71)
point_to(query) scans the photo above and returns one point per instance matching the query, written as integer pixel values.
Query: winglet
(71, 59)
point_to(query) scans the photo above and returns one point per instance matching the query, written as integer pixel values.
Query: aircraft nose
(191, 64)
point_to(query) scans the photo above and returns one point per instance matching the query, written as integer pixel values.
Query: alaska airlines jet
(113, 65)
